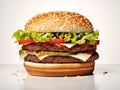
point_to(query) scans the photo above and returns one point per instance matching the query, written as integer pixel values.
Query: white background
(104, 14)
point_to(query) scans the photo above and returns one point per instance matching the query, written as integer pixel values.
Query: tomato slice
(85, 46)
(56, 41)
(59, 45)
(26, 41)
(90, 52)
(39, 55)
(97, 42)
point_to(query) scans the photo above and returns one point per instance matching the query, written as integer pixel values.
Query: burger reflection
(59, 83)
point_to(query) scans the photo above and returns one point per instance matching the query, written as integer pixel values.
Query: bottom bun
(70, 69)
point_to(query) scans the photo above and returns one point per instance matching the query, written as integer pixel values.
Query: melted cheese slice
(81, 56)
(68, 45)
(42, 57)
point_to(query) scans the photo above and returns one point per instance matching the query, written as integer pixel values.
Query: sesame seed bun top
(59, 21)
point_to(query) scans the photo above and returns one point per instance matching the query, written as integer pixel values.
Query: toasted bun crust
(71, 69)
(59, 21)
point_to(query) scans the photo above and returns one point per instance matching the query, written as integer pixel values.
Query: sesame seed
(62, 20)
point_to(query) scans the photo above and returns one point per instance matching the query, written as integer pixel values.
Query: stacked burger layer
(58, 43)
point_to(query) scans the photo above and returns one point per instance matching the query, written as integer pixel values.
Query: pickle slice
(23, 52)
(54, 53)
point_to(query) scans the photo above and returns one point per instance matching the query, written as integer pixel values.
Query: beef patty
(59, 59)
(58, 48)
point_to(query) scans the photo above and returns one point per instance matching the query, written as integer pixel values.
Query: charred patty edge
(59, 59)
(58, 48)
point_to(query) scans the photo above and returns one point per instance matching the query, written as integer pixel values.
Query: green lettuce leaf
(76, 38)
(37, 37)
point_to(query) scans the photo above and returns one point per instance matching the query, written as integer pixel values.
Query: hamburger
(58, 43)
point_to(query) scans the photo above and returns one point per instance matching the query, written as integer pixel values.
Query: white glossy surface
(14, 77)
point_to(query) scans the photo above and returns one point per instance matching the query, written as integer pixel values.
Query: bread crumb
(15, 74)
(23, 79)
(65, 77)
(105, 72)
(77, 76)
